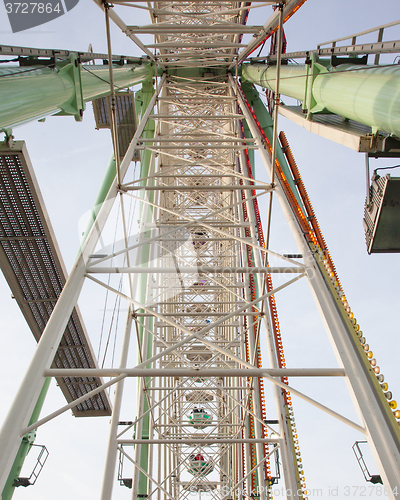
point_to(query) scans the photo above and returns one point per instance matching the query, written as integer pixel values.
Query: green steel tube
(267, 124)
(143, 98)
(101, 196)
(25, 446)
(292, 82)
(147, 92)
(124, 76)
(31, 93)
(366, 94)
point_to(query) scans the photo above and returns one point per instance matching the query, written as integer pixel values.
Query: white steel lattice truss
(198, 123)
(200, 290)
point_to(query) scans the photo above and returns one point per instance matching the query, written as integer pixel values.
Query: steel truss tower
(199, 286)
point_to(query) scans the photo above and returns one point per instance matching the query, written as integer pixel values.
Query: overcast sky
(69, 159)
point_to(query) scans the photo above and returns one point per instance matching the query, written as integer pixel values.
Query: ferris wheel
(199, 162)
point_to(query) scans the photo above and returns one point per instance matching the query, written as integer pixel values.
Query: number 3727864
(32, 8)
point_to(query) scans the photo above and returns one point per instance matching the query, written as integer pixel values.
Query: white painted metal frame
(200, 254)
(367, 403)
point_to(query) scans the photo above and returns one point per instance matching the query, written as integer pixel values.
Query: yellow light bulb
(393, 405)
(370, 354)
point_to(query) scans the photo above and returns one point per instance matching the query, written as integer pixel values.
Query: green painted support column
(101, 196)
(267, 124)
(31, 93)
(366, 94)
(141, 106)
(251, 152)
(142, 100)
(25, 446)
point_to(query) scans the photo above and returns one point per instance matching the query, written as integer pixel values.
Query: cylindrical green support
(101, 196)
(369, 95)
(143, 98)
(25, 446)
(124, 76)
(31, 93)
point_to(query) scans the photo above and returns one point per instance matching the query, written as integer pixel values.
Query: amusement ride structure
(199, 279)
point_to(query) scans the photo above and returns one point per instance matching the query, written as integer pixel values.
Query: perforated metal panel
(31, 263)
(126, 118)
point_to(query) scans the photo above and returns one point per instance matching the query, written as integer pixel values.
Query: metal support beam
(382, 430)
(22, 407)
(27, 96)
(290, 6)
(360, 88)
(186, 372)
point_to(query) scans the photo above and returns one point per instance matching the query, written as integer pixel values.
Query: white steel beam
(289, 6)
(111, 456)
(368, 401)
(197, 270)
(26, 397)
(123, 27)
(184, 372)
